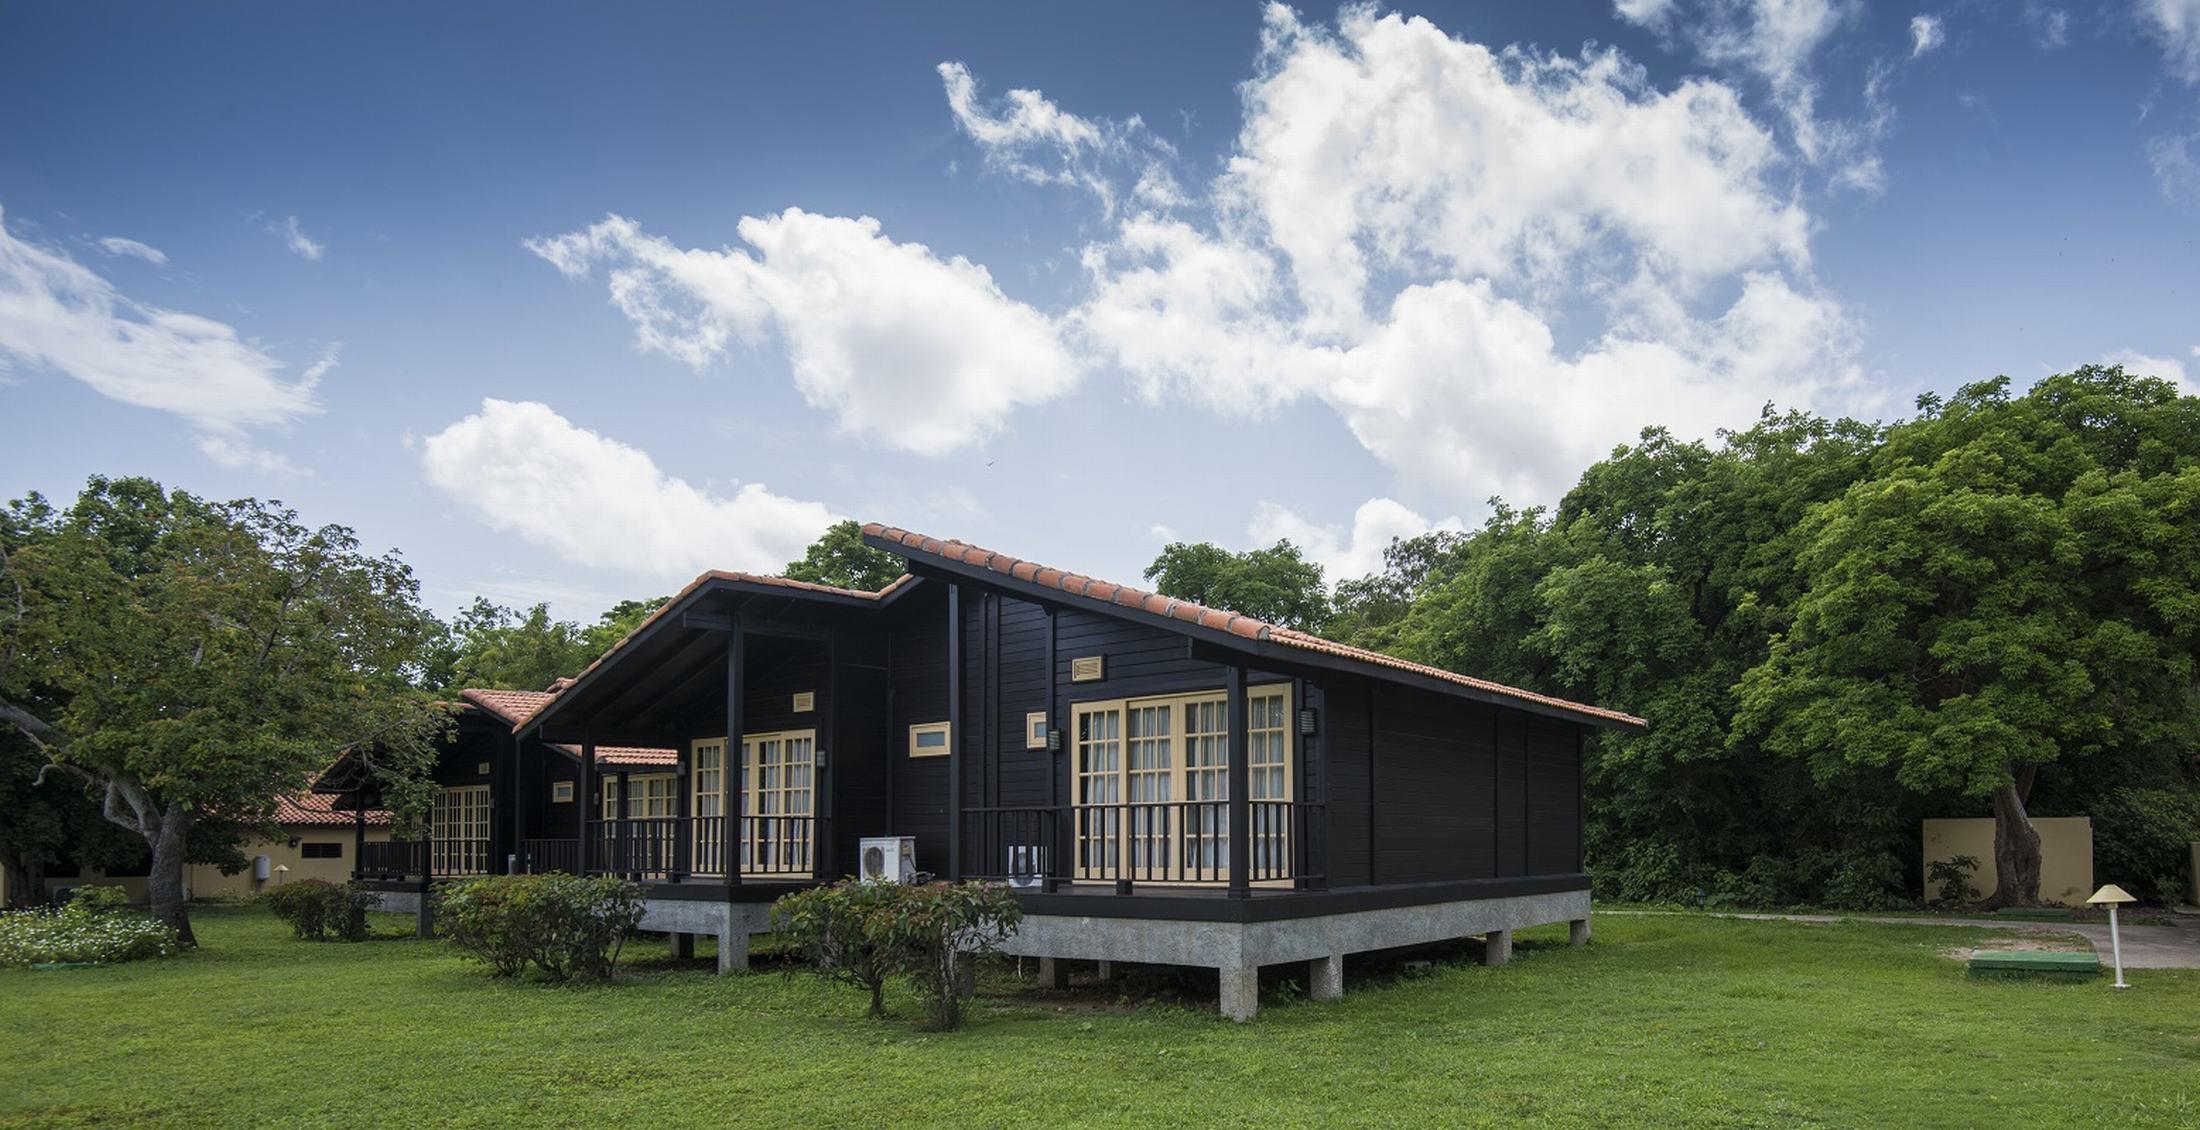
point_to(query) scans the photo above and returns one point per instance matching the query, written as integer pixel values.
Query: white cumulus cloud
(2143, 365)
(116, 245)
(523, 469)
(1345, 554)
(903, 347)
(1028, 136)
(57, 314)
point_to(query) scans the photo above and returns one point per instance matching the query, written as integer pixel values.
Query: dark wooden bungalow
(1163, 782)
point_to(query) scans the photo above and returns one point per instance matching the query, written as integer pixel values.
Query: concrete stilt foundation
(1053, 973)
(1497, 947)
(683, 946)
(1237, 950)
(1577, 932)
(731, 923)
(1107, 971)
(1325, 978)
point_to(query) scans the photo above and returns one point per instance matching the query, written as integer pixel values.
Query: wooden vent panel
(805, 701)
(1088, 668)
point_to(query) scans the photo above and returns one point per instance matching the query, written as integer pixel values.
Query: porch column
(623, 829)
(587, 801)
(954, 733)
(358, 831)
(735, 775)
(683, 826)
(1241, 783)
(519, 805)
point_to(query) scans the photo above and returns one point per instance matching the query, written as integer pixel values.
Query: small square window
(482, 768)
(1035, 730)
(928, 739)
(561, 792)
(805, 701)
(321, 850)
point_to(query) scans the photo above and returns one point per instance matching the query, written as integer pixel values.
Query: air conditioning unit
(1027, 866)
(889, 859)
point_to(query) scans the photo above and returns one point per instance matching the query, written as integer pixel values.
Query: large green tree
(491, 647)
(1277, 584)
(191, 661)
(2014, 587)
(840, 558)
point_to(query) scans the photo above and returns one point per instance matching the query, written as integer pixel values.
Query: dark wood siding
(917, 681)
(1346, 743)
(1433, 767)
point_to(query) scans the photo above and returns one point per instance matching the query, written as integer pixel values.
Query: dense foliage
(491, 647)
(1277, 584)
(930, 933)
(97, 927)
(565, 926)
(316, 909)
(1836, 629)
(191, 661)
(839, 558)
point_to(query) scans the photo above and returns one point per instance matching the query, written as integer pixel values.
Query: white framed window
(458, 830)
(561, 792)
(648, 796)
(1035, 730)
(1151, 785)
(778, 778)
(928, 739)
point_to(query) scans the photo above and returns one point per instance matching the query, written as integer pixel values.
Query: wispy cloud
(57, 314)
(294, 237)
(2175, 24)
(116, 245)
(1926, 35)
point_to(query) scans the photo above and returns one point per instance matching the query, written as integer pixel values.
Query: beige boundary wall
(2066, 854)
(204, 880)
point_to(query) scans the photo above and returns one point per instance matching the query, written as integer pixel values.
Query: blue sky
(568, 303)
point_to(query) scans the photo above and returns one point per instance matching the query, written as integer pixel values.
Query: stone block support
(683, 946)
(1497, 947)
(733, 950)
(1107, 971)
(1577, 931)
(1325, 977)
(1240, 992)
(1053, 973)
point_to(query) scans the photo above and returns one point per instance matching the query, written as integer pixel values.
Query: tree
(491, 647)
(45, 825)
(2015, 586)
(1277, 584)
(192, 661)
(840, 558)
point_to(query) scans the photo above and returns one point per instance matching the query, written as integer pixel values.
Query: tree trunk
(165, 881)
(26, 885)
(2016, 846)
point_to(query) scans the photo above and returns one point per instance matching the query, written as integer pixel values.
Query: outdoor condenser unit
(1027, 866)
(889, 859)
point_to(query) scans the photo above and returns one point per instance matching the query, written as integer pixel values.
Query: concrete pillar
(1240, 992)
(1325, 977)
(683, 946)
(1577, 931)
(733, 949)
(427, 911)
(1053, 973)
(1107, 971)
(1497, 947)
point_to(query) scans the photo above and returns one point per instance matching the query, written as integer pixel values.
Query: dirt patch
(2052, 943)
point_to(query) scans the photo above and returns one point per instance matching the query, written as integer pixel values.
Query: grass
(1662, 1021)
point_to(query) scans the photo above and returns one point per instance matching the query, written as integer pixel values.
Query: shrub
(100, 900)
(840, 929)
(1951, 879)
(563, 925)
(2140, 838)
(83, 932)
(316, 909)
(928, 933)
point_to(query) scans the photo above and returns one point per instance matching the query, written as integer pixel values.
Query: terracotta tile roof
(630, 757)
(562, 685)
(311, 809)
(1236, 624)
(510, 707)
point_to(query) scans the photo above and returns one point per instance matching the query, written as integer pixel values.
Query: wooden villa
(1162, 782)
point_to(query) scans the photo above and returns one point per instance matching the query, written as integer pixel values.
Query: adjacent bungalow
(1161, 781)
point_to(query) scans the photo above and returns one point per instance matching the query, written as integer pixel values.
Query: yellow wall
(204, 880)
(2066, 854)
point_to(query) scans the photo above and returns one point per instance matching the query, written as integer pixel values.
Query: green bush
(317, 909)
(563, 925)
(2141, 838)
(931, 934)
(1951, 879)
(91, 931)
(100, 900)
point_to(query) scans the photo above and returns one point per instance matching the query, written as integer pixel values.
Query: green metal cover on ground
(2035, 913)
(2035, 962)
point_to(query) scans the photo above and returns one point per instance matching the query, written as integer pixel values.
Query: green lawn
(1664, 1020)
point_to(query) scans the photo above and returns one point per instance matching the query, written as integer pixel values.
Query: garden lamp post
(2112, 896)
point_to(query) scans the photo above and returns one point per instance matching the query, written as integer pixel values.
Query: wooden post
(358, 831)
(954, 733)
(518, 802)
(736, 773)
(683, 826)
(622, 830)
(1241, 781)
(587, 800)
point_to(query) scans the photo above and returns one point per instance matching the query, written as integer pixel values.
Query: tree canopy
(192, 661)
(1277, 584)
(491, 647)
(840, 558)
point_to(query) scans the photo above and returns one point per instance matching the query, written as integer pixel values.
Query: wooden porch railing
(424, 859)
(1174, 842)
(681, 849)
